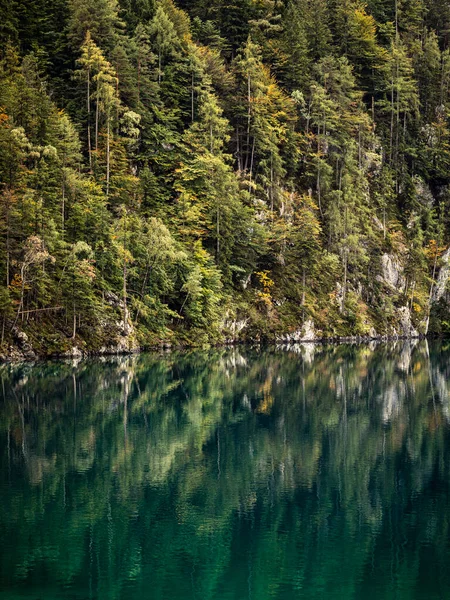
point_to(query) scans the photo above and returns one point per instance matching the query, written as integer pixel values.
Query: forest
(203, 171)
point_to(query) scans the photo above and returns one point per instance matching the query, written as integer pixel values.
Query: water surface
(313, 472)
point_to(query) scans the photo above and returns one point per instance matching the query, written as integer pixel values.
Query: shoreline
(20, 358)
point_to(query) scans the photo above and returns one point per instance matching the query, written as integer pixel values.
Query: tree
(34, 255)
(99, 18)
(102, 77)
(163, 34)
(76, 282)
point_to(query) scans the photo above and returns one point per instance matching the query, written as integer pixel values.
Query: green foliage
(193, 145)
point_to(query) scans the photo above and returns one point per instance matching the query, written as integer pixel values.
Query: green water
(315, 472)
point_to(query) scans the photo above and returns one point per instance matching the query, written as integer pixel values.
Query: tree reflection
(230, 473)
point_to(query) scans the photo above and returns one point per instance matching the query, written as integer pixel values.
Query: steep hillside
(205, 171)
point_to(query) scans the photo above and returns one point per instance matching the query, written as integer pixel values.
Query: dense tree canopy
(172, 167)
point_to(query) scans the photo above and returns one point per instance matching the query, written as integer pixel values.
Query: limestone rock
(442, 280)
(406, 328)
(306, 334)
(392, 272)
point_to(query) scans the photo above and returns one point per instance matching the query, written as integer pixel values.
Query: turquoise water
(314, 472)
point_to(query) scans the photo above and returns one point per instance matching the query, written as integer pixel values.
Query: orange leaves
(433, 251)
(267, 284)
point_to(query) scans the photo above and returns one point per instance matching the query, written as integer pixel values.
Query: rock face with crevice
(405, 325)
(22, 349)
(306, 334)
(392, 272)
(440, 287)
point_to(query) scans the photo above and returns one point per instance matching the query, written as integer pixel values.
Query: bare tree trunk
(144, 284)
(89, 118)
(391, 141)
(238, 150)
(413, 289)
(251, 166)
(308, 117)
(74, 329)
(97, 110)
(63, 186)
(192, 98)
(271, 183)
(359, 148)
(107, 154)
(218, 234)
(430, 297)
(159, 67)
(8, 259)
(63, 202)
(344, 286)
(139, 81)
(22, 294)
(249, 117)
(117, 103)
(319, 196)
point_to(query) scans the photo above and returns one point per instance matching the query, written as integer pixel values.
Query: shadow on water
(308, 472)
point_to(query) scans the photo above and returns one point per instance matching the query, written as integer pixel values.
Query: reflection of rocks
(308, 353)
(322, 447)
(235, 359)
(441, 390)
(391, 401)
(404, 360)
(306, 350)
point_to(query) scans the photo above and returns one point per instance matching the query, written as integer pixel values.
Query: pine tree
(98, 17)
(164, 37)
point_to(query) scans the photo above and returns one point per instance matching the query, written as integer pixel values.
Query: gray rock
(406, 327)
(442, 280)
(392, 272)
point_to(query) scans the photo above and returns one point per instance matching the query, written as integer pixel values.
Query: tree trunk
(218, 234)
(344, 286)
(97, 110)
(74, 329)
(63, 203)
(391, 141)
(107, 154)
(8, 259)
(159, 67)
(192, 98)
(238, 150)
(251, 166)
(249, 117)
(139, 81)
(319, 196)
(22, 293)
(430, 298)
(89, 119)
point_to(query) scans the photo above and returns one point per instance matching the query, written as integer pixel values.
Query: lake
(304, 472)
